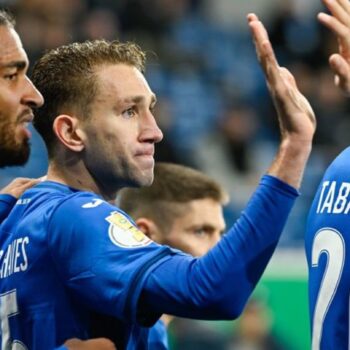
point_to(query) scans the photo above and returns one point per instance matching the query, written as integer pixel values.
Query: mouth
(147, 152)
(24, 120)
(146, 157)
(26, 117)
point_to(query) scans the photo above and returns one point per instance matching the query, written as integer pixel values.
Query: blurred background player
(327, 236)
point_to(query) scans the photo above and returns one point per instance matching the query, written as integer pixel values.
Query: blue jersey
(158, 338)
(6, 203)
(65, 254)
(327, 243)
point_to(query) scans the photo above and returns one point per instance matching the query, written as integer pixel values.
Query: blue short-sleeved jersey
(327, 245)
(65, 254)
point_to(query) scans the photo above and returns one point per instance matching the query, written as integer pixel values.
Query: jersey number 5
(331, 243)
(9, 308)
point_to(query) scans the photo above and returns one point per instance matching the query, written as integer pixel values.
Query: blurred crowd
(213, 107)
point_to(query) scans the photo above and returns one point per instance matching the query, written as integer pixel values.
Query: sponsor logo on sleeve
(95, 203)
(125, 234)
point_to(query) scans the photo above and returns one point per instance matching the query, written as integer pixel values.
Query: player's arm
(10, 193)
(217, 285)
(338, 21)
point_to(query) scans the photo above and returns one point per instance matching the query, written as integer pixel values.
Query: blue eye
(129, 113)
(200, 232)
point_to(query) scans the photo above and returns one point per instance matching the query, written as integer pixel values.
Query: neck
(77, 176)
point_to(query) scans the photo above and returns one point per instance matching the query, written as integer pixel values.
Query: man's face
(198, 229)
(17, 98)
(121, 130)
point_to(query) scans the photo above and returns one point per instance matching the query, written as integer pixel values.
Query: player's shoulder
(87, 211)
(83, 203)
(340, 162)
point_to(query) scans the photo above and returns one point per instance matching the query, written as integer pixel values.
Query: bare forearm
(290, 161)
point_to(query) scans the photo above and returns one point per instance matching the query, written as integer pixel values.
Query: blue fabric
(327, 244)
(6, 204)
(65, 253)
(158, 338)
(217, 285)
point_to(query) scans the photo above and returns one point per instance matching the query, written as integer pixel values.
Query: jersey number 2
(330, 242)
(9, 308)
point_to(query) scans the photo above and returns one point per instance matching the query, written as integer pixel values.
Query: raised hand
(295, 114)
(339, 23)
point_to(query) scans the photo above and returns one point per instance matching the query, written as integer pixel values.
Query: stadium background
(213, 105)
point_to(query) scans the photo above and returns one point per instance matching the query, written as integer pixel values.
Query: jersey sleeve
(101, 256)
(7, 202)
(218, 285)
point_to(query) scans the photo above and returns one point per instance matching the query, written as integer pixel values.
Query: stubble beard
(12, 152)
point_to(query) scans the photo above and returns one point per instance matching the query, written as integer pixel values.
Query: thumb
(341, 69)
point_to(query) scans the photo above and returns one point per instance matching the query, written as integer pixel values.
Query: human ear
(150, 229)
(69, 133)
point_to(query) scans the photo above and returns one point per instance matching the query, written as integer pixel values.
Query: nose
(31, 96)
(151, 131)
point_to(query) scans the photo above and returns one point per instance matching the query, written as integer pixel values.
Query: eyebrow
(138, 99)
(20, 65)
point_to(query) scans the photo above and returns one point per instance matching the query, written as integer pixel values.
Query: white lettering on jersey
(334, 198)
(23, 201)
(124, 234)
(15, 258)
(95, 203)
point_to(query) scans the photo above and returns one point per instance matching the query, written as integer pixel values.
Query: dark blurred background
(214, 108)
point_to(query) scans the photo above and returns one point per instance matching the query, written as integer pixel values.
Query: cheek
(8, 101)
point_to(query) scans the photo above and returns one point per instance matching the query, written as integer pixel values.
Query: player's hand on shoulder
(338, 21)
(296, 117)
(91, 344)
(16, 187)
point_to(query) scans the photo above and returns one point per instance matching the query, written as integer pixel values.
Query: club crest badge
(124, 234)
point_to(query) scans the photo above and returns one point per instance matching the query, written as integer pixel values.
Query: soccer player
(18, 97)
(86, 254)
(327, 235)
(183, 208)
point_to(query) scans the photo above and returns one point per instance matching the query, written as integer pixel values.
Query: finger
(332, 23)
(30, 183)
(339, 65)
(345, 4)
(338, 11)
(252, 17)
(341, 70)
(20, 180)
(264, 50)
